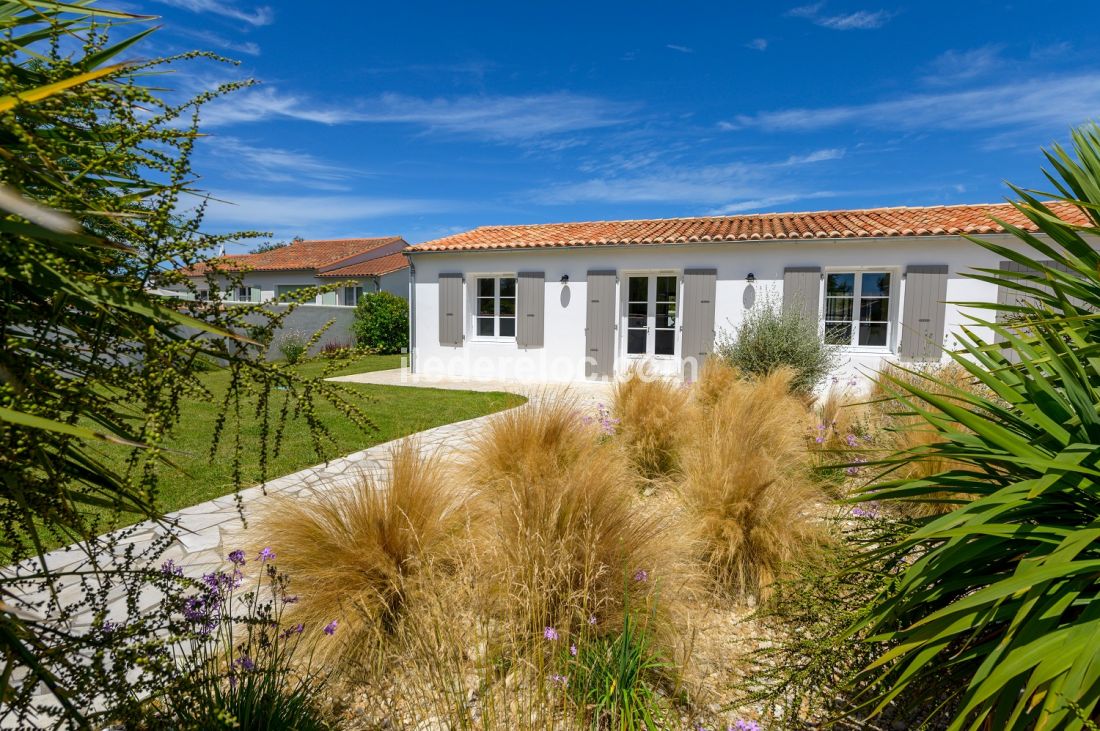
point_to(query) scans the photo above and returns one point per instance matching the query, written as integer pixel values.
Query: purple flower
(852, 440)
(267, 554)
(819, 440)
(559, 679)
(295, 630)
(237, 557)
(641, 575)
(859, 512)
(573, 650)
(745, 726)
(109, 627)
(854, 469)
(592, 619)
(550, 633)
(330, 628)
(244, 662)
(171, 568)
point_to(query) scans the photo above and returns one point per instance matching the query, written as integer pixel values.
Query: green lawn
(395, 410)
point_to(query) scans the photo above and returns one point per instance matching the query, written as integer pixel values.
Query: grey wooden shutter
(923, 312)
(599, 333)
(802, 289)
(450, 309)
(530, 307)
(697, 318)
(1012, 297)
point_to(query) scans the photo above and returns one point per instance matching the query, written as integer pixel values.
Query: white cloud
(758, 44)
(261, 15)
(832, 153)
(681, 49)
(1051, 103)
(276, 165)
(858, 20)
(213, 39)
(952, 67)
(228, 210)
(504, 118)
(755, 204)
(708, 184)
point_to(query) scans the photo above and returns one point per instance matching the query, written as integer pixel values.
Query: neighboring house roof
(320, 254)
(877, 222)
(370, 267)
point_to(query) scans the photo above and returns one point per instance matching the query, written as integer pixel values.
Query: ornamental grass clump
(715, 378)
(747, 488)
(357, 555)
(650, 412)
(562, 530)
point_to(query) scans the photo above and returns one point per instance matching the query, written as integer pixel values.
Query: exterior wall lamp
(751, 278)
(565, 279)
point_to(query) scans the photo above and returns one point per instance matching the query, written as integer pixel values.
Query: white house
(358, 265)
(572, 301)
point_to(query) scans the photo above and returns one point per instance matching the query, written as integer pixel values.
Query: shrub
(997, 601)
(650, 413)
(746, 484)
(382, 322)
(771, 337)
(563, 531)
(356, 553)
(293, 344)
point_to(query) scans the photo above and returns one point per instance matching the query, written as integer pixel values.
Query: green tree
(995, 611)
(382, 322)
(95, 170)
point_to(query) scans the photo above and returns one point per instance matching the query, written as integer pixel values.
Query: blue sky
(426, 118)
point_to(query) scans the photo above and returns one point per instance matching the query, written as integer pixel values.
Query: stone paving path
(205, 533)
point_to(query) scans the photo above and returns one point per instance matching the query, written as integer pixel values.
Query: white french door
(651, 316)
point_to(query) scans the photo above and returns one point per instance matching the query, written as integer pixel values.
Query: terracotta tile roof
(900, 221)
(370, 267)
(302, 255)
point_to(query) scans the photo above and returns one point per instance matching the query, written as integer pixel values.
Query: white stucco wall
(395, 282)
(562, 358)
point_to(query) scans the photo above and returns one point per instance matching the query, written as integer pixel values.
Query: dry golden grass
(355, 555)
(650, 413)
(564, 533)
(876, 424)
(715, 378)
(746, 484)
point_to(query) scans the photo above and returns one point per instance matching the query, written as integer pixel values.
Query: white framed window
(495, 307)
(244, 294)
(651, 314)
(859, 308)
(352, 296)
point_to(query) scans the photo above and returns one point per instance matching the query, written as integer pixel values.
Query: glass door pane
(664, 331)
(486, 306)
(637, 315)
(874, 308)
(840, 291)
